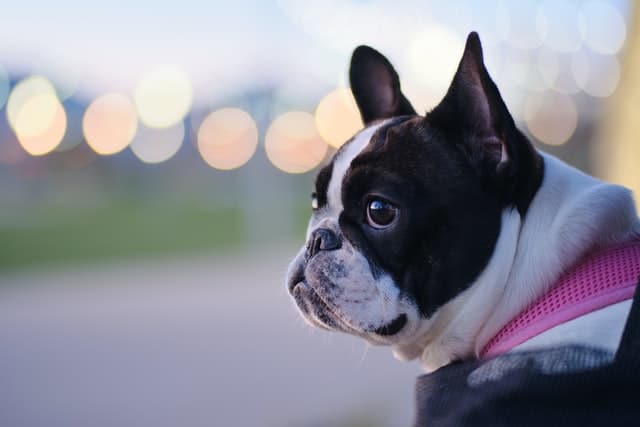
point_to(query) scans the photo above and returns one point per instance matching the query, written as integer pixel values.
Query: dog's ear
(473, 113)
(376, 86)
(474, 104)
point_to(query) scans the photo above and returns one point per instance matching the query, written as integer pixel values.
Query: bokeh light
(457, 15)
(110, 123)
(157, 145)
(337, 117)
(556, 23)
(24, 93)
(519, 69)
(46, 139)
(602, 27)
(516, 23)
(555, 70)
(552, 118)
(64, 79)
(163, 96)
(597, 75)
(293, 143)
(436, 43)
(227, 138)
(517, 66)
(549, 66)
(36, 116)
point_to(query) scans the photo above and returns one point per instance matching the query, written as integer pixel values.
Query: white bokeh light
(163, 96)
(516, 66)
(516, 24)
(435, 45)
(556, 23)
(519, 69)
(556, 71)
(157, 145)
(46, 139)
(602, 27)
(66, 80)
(597, 75)
(26, 90)
(36, 115)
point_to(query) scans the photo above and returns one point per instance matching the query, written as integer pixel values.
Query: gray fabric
(564, 386)
(554, 361)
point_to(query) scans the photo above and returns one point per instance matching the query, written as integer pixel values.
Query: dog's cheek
(343, 279)
(324, 272)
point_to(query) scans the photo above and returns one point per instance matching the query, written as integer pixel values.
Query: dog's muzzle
(321, 239)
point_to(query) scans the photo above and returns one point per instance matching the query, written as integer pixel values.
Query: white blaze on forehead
(341, 164)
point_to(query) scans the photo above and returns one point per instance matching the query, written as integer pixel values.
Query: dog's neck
(571, 214)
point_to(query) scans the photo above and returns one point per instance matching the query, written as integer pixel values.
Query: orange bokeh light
(293, 143)
(110, 123)
(227, 138)
(337, 117)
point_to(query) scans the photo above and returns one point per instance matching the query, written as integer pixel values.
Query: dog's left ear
(473, 114)
(473, 105)
(376, 86)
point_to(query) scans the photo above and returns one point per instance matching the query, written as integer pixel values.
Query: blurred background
(156, 161)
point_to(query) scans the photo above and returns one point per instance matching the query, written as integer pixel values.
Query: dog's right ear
(376, 86)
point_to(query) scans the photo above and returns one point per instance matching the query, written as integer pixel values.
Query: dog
(431, 233)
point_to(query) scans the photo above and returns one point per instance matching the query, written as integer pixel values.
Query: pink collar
(602, 279)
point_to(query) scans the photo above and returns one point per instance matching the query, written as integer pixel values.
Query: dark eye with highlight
(380, 213)
(314, 201)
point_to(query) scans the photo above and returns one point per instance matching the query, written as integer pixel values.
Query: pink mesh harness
(602, 279)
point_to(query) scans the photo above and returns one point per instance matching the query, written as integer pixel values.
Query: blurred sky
(109, 45)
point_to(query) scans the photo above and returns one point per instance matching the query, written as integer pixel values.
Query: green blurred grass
(118, 230)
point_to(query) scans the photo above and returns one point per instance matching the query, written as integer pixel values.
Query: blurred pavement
(200, 341)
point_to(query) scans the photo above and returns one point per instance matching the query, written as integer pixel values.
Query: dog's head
(407, 213)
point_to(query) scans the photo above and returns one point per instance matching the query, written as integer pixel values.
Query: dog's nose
(322, 239)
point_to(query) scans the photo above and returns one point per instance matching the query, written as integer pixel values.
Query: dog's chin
(317, 312)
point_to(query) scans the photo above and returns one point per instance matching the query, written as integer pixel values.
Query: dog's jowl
(431, 233)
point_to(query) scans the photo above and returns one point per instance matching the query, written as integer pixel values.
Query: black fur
(376, 86)
(444, 172)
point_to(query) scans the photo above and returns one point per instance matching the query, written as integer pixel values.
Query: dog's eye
(381, 214)
(314, 201)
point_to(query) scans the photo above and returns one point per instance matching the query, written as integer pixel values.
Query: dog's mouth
(392, 327)
(315, 310)
(319, 313)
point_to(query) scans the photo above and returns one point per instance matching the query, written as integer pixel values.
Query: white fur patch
(341, 164)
